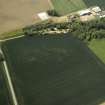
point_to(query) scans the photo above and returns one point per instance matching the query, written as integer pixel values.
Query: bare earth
(102, 103)
(15, 14)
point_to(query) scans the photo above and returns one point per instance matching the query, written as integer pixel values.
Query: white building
(96, 9)
(84, 12)
(43, 16)
(102, 14)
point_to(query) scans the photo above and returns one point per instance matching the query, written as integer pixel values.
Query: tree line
(83, 30)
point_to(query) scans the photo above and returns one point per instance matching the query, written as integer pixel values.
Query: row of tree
(82, 30)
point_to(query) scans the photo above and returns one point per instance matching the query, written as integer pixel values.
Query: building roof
(102, 14)
(84, 12)
(43, 16)
(96, 9)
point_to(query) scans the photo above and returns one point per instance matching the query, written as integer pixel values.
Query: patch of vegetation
(52, 13)
(98, 47)
(13, 33)
(82, 30)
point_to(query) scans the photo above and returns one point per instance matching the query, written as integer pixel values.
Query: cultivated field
(67, 6)
(15, 14)
(100, 3)
(98, 47)
(55, 70)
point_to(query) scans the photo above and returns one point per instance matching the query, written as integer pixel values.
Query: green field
(55, 70)
(68, 6)
(98, 47)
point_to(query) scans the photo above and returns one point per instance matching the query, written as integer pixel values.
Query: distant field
(98, 47)
(100, 3)
(16, 14)
(55, 70)
(67, 6)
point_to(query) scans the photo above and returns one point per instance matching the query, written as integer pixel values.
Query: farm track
(6, 71)
(11, 38)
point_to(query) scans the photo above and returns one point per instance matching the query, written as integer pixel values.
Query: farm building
(43, 16)
(84, 12)
(102, 14)
(96, 9)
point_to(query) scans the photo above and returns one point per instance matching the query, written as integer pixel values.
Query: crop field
(98, 47)
(55, 70)
(68, 6)
(16, 14)
(100, 3)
